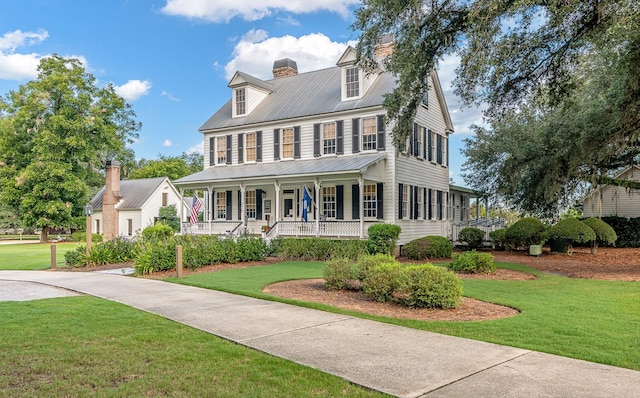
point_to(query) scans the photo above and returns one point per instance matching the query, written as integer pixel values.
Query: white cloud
(167, 143)
(133, 89)
(170, 96)
(16, 66)
(251, 10)
(256, 52)
(197, 148)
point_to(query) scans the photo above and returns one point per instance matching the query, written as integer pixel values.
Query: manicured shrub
(114, 251)
(320, 249)
(605, 235)
(428, 247)
(525, 232)
(337, 274)
(159, 230)
(572, 230)
(627, 230)
(77, 257)
(499, 239)
(474, 263)
(250, 248)
(429, 286)
(383, 238)
(472, 237)
(382, 281)
(155, 254)
(367, 262)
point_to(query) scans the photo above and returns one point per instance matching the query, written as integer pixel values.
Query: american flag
(197, 204)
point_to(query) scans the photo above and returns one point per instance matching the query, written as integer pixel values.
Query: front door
(288, 204)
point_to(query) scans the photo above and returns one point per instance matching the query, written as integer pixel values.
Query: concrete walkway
(395, 360)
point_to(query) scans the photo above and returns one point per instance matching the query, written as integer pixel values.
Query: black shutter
(355, 135)
(380, 201)
(339, 137)
(316, 139)
(212, 152)
(240, 148)
(439, 149)
(340, 202)
(213, 205)
(412, 139)
(315, 200)
(229, 206)
(381, 134)
(424, 203)
(416, 131)
(258, 146)
(424, 143)
(416, 210)
(355, 202)
(258, 204)
(400, 201)
(430, 200)
(240, 209)
(296, 142)
(229, 144)
(446, 143)
(298, 213)
(430, 144)
(276, 144)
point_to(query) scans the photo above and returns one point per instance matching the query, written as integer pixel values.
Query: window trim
(330, 199)
(282, 143)
(323, 139)
(221, 205)
(248, 206)
(246, 146)
(236, 102)
(358, 74)
(374, 134)
(222, 138)
(370, 203)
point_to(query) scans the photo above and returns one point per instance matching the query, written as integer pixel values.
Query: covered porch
(330, 197)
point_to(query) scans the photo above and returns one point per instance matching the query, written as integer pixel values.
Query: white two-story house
(324, 131)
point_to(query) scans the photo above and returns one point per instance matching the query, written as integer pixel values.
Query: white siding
(615, 201)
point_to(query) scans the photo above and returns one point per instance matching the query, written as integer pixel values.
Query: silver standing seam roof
(305, 94)
(286, 168)
(135, 193)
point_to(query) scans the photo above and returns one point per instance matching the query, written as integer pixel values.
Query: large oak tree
(56, 132)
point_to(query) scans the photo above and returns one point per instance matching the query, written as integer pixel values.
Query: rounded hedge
(571, 229)
(473, 262)
(499, 238)
(605, 234)
(429, 286)
(525, 232)
(471, 236)
(428, 247)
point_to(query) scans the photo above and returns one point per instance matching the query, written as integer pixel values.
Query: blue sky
(172, 59)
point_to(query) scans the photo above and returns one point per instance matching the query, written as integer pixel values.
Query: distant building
(610, 200)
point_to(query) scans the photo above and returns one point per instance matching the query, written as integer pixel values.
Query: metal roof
(305, 94)
(135, 193)
(286, 168)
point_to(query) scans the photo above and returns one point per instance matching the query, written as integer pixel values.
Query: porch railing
(211, 228)
(338, 229)
(487, 225)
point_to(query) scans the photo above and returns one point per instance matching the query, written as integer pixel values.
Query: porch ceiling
(289, 168)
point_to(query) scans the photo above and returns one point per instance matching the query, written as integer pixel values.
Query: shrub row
(472, 237)
(473, 262)
(385, 280)
(627, 230)
(428, 247)
(119, 250)
(320, 249)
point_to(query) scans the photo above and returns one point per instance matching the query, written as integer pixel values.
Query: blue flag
(306, 201)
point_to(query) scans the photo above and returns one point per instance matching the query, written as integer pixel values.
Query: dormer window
(240, 101)
(353, 82)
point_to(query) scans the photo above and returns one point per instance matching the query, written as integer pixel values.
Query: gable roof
(289, 168)
(241, 78)
(135, 193)
(617, 176)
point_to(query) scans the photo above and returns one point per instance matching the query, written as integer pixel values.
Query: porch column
(243, 214)
(181, 210)
(316, 184)
(361, 187)
(208, 208)
(276, 186)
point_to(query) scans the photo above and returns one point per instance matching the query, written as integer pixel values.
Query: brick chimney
(110, 199)
(284, 68)
(384, 48)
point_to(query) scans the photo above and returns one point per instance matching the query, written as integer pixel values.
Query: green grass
(588, 319)
(32, 256)
(84, 346)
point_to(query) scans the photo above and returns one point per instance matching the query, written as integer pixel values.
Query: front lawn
(32, 256)
(588, 319)
(84, 346)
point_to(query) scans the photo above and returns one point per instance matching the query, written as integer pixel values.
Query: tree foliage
(561, 81)
(173, 167)
(56, 132)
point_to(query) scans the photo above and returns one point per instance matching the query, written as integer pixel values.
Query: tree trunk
(44, 235)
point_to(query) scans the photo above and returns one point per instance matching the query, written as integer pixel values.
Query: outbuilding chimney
(384, 48)
(110, 199)
(284, 68)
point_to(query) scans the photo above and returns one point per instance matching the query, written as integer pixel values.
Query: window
(97, 226)
(439, 149)
(165, 199)
(287, 143)
(353, 82)
(329, 138)
(369, 130)
(433, 203)
(425, 98)
(405, 201)
(440, 204)
(370, 201)
(420, 214)
(329, 202)
(221, 150)
(241, 105)
(129, 226)
(420, 140)
(221, 205)
(250, 145)
(250, 204)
